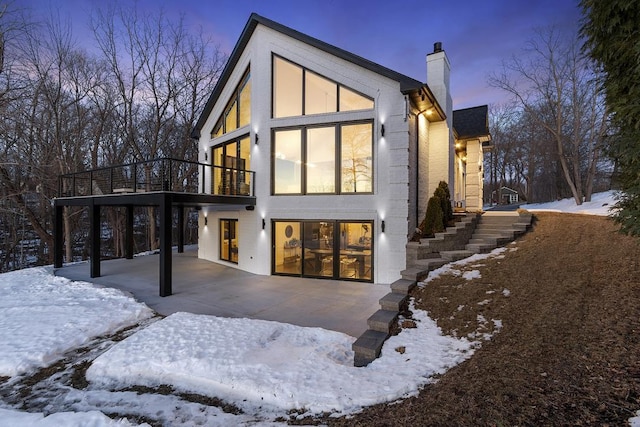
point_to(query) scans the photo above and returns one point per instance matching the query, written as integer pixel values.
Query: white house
(344, 155)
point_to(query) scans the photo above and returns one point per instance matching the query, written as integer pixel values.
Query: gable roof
(471, 122)
(408, 85)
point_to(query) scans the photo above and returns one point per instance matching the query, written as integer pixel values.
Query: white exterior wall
(424, 189)
(474, 181)
(390, 199)
(441, 141)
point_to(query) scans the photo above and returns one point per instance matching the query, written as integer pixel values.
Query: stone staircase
(472, 233)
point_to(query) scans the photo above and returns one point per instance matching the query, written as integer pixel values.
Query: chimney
(438, 71)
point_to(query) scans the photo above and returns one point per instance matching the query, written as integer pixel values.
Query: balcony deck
(165, 183)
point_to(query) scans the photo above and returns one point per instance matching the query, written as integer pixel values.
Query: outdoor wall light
(264, 224)
(382, 226)
(205, 156)
(205, 221)
(257, 139)
(382, 130)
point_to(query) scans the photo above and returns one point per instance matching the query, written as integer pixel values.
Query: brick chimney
(438, 71)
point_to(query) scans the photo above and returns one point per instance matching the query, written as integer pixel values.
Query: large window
(339, 250)
(231, 162)
(324, 159)
(298, 92)
(238, 111)
(356, 157)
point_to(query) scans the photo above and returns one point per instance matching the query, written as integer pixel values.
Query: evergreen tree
(612, 33)
(433, 219)
(447, 209)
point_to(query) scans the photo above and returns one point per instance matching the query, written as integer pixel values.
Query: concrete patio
(204, 287)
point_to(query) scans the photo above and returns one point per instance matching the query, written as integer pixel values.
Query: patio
(204, 287)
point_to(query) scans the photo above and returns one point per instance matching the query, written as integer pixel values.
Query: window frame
(220, 127)
(230, 222)
(337, 158)
(304, 91)
(222, 168)
(335, 245)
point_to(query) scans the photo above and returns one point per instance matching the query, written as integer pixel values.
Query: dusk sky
(477, 35)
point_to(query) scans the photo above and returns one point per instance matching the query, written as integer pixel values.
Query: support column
(180, 229)
(165, 245)
(94, 253)
(128, 235)
(58, 237)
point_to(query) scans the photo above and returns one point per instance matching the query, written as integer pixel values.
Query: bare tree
(160, 71)
(555, 85)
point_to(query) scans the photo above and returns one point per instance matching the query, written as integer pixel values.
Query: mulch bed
(568, 352)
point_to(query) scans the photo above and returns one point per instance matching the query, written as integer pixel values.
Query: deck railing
(165, 174)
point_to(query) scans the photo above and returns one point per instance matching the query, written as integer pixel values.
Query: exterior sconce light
(205, 156)
(264, 224)
(205, 221)
(382, 130)
(382, 226)
(257, 139)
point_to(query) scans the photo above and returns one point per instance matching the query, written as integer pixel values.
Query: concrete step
(412, 274)
(455, 255)
(415, 273)
(431, 263)
(494, 235)
(394, 301)
(382, 320)
(368, 346)
(403, 286)
(480, 248)
(431, 239)
(495, 228)
(493, 239)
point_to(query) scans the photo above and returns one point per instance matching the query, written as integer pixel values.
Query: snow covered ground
(263, 369)
(600, 204)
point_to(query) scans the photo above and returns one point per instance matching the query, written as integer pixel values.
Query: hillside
(565, 309)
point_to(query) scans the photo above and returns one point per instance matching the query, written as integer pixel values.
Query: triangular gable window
(298, 91)
(238, 111)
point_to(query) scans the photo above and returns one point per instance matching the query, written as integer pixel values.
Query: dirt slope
(568, 352)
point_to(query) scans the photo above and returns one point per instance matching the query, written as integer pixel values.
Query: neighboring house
(471, 126)
(506, 196)
(344, 155)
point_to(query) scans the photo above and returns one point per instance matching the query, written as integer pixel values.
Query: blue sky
(477, 35)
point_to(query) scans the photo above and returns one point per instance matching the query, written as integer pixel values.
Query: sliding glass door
(339, 250)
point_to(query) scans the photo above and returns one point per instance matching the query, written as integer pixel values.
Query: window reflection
(357, 158)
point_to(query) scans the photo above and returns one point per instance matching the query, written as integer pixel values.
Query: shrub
(447, 209)
(433, 221)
